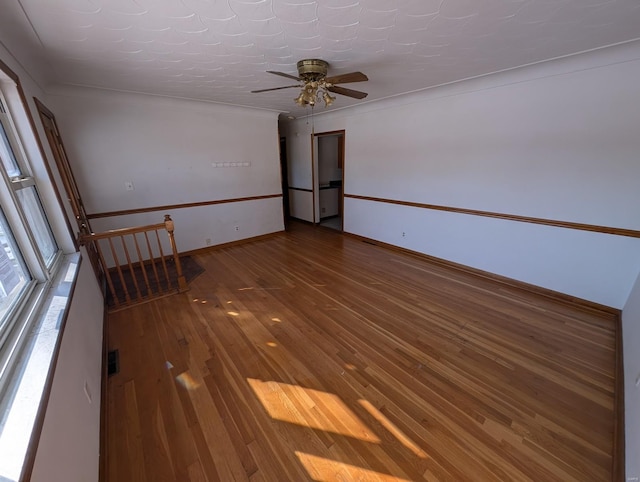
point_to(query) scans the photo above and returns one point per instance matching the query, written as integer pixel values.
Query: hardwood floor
(315, 356)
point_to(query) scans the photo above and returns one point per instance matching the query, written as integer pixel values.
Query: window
(25, 190)
(14, 276)
(36, 281)
(29, 249)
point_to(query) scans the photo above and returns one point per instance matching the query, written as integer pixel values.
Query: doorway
(284, 176)
(329, 179)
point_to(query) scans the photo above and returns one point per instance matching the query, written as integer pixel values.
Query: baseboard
(238, 242)
(574, 301)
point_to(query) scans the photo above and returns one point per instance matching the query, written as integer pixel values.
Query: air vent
(113, 362)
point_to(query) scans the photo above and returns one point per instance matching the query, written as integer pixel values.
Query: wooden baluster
(164, 264)
(115, 259)
(139, 295)
(114, 295)
(143, 267)
(153, 262)
(132, 272)
(182, 282)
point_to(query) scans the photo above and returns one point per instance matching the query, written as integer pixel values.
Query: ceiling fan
(314, 83)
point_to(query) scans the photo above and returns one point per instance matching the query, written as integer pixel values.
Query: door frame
(59, 152)
(341, 134)
(284, 179)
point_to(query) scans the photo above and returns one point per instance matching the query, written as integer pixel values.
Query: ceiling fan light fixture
(315, 86)
(300, 100)
(328, 100)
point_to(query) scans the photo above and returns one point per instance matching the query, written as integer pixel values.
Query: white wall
(69, 446)
(631, 342)
(557, 140)
(301, 205)
(299, 154)
(81, 354)
(168, 148)
(299, 167)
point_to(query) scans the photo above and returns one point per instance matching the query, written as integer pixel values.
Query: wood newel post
(169, 226)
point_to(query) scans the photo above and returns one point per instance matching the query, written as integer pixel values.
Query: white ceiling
(220, 50)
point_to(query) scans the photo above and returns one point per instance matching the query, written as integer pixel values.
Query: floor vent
(113, 362)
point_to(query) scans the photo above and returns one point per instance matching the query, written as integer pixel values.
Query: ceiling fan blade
(346, 78)
(275, 88)
(348, 92)
(282, 74)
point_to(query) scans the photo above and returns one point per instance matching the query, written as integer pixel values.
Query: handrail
(126, 270)
(122, 232)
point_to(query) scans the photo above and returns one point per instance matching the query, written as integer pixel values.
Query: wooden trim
(34, 442)
(329, 133)
(300, 189)
(121, 232)
(313, 178)
(284, 175)
(342, 142)
(43, 110)
(208, 249)
(7, 70)
(581, 303)
(510, 217)
(127, 212)
(619, 447)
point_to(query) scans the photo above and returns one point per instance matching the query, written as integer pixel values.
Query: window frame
(49, 277)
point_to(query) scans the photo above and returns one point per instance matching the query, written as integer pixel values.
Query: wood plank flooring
(315, 356)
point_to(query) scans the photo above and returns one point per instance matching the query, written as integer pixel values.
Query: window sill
(23, 404)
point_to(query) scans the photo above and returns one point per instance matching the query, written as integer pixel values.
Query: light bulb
(301, 100)
(328, 100)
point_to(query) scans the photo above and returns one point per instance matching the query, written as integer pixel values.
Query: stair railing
(134, 265)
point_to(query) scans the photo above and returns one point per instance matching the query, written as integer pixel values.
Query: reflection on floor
(333, 223)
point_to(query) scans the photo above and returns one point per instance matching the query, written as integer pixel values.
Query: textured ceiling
(220, 50)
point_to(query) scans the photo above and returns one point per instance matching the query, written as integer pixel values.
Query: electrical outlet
(128, 185)
(208, 241)
(323, 210)
(237, 228)
(403, 234)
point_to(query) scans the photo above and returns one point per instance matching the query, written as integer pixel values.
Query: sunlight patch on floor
(310, 408)
(187, 381)
(321, 469)
(395, 431)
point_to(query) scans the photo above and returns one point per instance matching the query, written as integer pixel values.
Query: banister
(126, 272)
